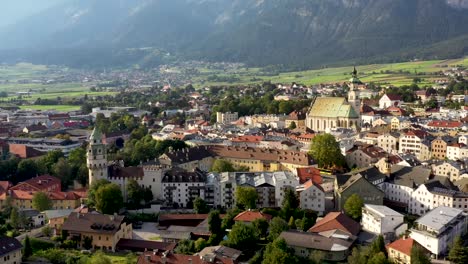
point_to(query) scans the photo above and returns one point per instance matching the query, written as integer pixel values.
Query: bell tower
(96, 157)
(353, 94)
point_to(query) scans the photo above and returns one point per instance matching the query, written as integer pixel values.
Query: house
(304, 244)
(56, 218)
(311, 196)
(423, 95)
(412, 142)
(389, 100)
(105, 231)
(336, 222)
(457, 151)
(437, 229)
(298, 118)
(250, 216)
(226, 118)
(10, 250)
(167, 257)
(43, 183)
(439, 147)
(389, 142)
(450, 169)
(399, 251)
(221, 252)
(36, 218)
(180, 187)
(346, 185)
(364, 156)
(381, 220)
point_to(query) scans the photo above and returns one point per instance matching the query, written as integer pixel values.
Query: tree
(357, 256)
(62, 170)
(14, 218)
(200, 244)
(99, 258)
(292, 125)
(418, 256)
(135, 193)
(27, 169)
(378, 246)
(27, 250)
(261, 225)
(290, 203)
(353, 206)
(93, 189)
(214, 222)
(221, 165)
(41, 201)
(246, 197)
(277, 225)
(200, 206)
(148, 195)
(46, 231)
(228, 220)
(109, 199)
(241, 237)
(378, 258)
(307, 223)
(278, 252)
(326, 151)
(291, 223)
(51, 158)
(185, 246)
(458, 254)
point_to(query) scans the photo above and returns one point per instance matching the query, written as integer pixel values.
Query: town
(273, 173)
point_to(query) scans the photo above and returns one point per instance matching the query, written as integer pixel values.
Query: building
(43, 183)
(96, 157)
(270, 186)
(389, 142)
(346, 185)
(399, 251)
(381, 220)
(247, 217)
(389, 100)
(167, 257)
(298, 118)
(226, 118)
(439, 147)
(326, 113)
(457, 151)
(437, 229)
(336, 222)
(451, 169)
(180, 187)
(334, 247)
(46, 144)
(412, 142)
(311, 196)
(104, 230)
(10, 250)
(364, 156)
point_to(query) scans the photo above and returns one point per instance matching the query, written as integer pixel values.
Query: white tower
(353, 94)
(96, 157)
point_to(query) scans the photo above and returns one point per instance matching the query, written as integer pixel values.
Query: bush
(37, 245)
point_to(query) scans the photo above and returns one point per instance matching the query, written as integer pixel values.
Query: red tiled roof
(250, 216)
(310, 183)
(403, 245)
(151, 258)
(247, 139)
(309, 173)
(40, 183)
(445, 124)
(394, 97)
(4, 186)
(336, 220)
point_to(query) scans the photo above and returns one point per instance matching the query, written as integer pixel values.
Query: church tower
(353, 94)
(96, 157)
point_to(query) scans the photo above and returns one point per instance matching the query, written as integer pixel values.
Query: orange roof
(4, 186)
(403, 245)
(338, 221)
(446, 124)
(21, 195)
(310, 183)
(250, 216)
(309, 173)
(40, 183)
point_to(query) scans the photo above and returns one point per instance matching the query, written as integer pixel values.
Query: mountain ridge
(300, 33)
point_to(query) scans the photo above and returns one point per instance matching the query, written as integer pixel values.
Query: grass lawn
(61, 108)
(119, 259)
(155, 238)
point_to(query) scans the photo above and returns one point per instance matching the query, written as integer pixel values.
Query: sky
(12, 11)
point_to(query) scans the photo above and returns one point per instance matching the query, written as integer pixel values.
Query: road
(33, 233)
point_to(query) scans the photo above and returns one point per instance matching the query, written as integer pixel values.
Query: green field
(60, 108)
(399, 74)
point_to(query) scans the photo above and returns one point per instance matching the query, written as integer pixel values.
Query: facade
(311, 196)
(181, 187)
(357, 184)
(10, 250)
(364, 156)
(389, 142)
(226, 118)
(389, 100)
(381, 220)
(412, 142)
(96, 157)
(326, 113)
(439, 147)
(452, 170)
(105, 230)
(46, 144)
(437, 229)
(457, 151)
(399, 251)
(270, 186)
(298, 118)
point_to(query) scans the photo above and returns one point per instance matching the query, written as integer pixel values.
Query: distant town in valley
(234, 132)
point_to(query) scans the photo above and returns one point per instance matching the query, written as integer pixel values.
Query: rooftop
(439, 217)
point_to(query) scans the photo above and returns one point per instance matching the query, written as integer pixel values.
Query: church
(326, 113)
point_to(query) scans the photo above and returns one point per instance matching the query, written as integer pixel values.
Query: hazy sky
(12, 11)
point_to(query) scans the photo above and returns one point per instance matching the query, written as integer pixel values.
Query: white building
(270, 186)
(180, 187)
(437, 229)
(451, 170)
(389, 142)
(381, 220)
(311, 196)
(457, 151)
(226, 118)
(388, 100)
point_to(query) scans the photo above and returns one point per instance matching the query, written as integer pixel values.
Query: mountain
(295, 33)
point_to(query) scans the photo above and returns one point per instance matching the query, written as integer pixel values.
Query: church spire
(354, 73)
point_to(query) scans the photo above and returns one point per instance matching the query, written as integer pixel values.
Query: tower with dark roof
(96, 157)
(353, 94)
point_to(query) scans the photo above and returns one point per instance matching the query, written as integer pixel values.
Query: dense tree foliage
(326, 152)
(458, 253)
(278, 252)
(200, 206)
(353, 206)
(277, 225)
(242, 237)
(109, 198)
(418, 256)
(246, 197)
(41, 201)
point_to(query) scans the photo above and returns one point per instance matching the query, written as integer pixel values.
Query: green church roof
(96, 135)
(332, 107)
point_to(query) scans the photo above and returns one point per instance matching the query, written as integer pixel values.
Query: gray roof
(439, 217)
(371, 173)
(51, 214)
(315, 241)
(410, 176)
(382, 210)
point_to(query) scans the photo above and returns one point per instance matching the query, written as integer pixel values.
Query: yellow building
(105, 231)
(399, 251)
(60, 200)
